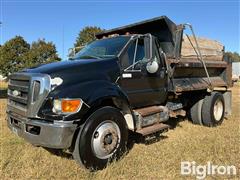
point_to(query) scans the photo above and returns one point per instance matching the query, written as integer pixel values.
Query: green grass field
(158, 160)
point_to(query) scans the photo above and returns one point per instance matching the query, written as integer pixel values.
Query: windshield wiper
(89, 57)
(107, 56)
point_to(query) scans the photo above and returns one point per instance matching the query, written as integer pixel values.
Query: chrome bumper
(57, 134)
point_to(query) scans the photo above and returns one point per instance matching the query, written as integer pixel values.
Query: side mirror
(141, 63)
(152, 66)
(71, 53)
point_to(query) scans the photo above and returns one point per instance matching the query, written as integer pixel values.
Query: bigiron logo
(201, 171)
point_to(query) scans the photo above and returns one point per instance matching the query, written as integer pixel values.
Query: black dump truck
(132, 79)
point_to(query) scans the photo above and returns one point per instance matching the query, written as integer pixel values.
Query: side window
(130, 52)
(140, 53)
(134, 53)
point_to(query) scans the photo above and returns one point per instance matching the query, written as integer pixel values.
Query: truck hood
(80, 70)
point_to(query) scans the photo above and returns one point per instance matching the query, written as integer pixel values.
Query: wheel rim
(218, 110)
(105, 139)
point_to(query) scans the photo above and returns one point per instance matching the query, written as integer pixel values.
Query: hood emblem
(16, 93)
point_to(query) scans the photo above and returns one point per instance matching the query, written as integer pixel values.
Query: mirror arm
(151, 46)
(131, 66)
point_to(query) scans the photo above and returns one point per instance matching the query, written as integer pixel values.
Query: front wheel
(103, 138)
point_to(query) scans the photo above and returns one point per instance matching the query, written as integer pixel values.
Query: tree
(41, 52)
(87, 35)
(12, 55)
(234, 57)
(17, 54)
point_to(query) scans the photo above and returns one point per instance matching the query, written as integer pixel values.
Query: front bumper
(56, 134)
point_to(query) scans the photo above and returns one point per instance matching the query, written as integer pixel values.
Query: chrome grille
(18, 93)
(27, 92)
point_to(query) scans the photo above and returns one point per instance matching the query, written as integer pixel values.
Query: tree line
(233, 56)
(17, 54)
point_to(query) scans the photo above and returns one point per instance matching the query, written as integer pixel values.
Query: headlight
(66, 106)
(57, 107)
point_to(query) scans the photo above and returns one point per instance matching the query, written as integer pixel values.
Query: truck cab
(141, 55)
(129, 79)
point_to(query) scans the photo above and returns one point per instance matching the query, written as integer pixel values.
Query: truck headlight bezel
(67, 105)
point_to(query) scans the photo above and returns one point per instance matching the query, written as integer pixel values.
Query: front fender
(90, 92)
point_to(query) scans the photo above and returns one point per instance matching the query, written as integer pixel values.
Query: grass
(159, 160)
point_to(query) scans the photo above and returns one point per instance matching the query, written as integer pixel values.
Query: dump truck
(132, 79)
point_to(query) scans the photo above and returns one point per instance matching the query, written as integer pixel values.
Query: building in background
(235, 71)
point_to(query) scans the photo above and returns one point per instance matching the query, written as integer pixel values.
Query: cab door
(143, 88)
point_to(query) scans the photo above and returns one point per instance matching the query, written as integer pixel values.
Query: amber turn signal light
(70, 106)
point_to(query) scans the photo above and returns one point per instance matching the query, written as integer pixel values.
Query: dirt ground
(157, 160)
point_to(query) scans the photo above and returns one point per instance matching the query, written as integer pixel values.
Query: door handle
(127, 75)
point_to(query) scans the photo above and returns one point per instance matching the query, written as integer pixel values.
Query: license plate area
(16, 123)
(15, 130)
(16, 126)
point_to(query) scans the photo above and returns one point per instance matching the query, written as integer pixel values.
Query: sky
(60, 21)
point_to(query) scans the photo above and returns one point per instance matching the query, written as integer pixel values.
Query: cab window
(135, 52)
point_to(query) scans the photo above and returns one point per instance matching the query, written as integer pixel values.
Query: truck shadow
(174, 122)
(59, 152)
(135, 138)
(3, 93)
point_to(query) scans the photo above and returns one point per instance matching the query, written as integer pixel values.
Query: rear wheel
(196, 112)
(103, 138)
(213, 109)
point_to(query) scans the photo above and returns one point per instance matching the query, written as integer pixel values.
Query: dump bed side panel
(189, 75)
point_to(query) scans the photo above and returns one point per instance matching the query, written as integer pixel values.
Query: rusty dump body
(185, 74)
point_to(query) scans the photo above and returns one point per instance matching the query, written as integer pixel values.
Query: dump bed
(161, 27)
(210, 49)
(188, 72)
(172, 40)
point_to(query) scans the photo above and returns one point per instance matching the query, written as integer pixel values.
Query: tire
(196, 112)
(213, 109)
(102, 139)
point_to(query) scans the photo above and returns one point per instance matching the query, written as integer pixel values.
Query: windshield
(103, 48)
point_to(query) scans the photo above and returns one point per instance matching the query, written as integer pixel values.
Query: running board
(153, 129)
(147, 111)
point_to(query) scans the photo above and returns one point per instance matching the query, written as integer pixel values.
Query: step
(149, 110)
(153, 129)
